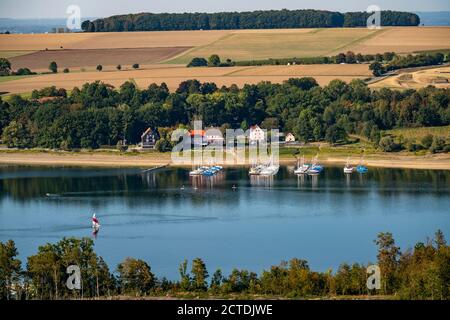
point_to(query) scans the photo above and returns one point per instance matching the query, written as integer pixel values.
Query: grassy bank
(115, 159)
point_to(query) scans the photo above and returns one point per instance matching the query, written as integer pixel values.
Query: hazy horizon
(53, 9)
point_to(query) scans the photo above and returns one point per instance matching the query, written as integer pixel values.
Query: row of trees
(419, 273)
(244, 20)
(97, 114)
(379, 67)
(349, 57)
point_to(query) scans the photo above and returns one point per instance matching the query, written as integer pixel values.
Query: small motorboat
(362, 169)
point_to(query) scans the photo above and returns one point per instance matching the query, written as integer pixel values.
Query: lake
(165, 217)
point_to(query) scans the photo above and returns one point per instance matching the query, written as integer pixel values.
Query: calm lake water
(326, 220)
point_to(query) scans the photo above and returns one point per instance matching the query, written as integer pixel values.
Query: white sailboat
(348, 167)
(302, 167)
(271, 169)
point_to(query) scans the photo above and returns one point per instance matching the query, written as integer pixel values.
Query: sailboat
(315, 168)
(270, 170)
(348, 167)
(302, 167)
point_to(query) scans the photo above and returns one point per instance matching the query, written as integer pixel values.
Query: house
(148, 139)
(289, 138)
(213, 135)
(256, 134)
(198, 138)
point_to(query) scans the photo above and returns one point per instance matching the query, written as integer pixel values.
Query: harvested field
(406, 40)
(108, 40)
(438, 77)
(76, 58)
(173, 75)
(335, 70)
(279, 43)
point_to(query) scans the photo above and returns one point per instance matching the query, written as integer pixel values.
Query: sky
(38, 9)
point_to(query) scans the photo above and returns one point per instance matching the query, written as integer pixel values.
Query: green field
(280, 44)
(418, 133)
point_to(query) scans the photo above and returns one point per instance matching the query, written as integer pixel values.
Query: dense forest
(97, 114)
(419, 273)
(273, 19)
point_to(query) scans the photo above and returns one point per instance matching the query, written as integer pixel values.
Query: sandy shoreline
(92, 159)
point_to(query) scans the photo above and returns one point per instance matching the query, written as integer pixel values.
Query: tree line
(422, 272)
(271, 19)
(97, 114)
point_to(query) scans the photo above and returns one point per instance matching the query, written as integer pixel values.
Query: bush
(23, 72)
(427, 141)
(198, 62)
(437, 145)
(119, 67)
(387, 144)
(136, 66)
(99, 67)
(66, 70)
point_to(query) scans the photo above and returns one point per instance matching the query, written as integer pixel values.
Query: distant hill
(438, 18)
(31, 25)
(273, 19)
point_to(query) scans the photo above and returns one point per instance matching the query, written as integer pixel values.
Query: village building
(148, 139)
(289, 138)
(256, 134)
(198, 138)
(213, 135)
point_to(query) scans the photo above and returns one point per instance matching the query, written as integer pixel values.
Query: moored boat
(348, 167)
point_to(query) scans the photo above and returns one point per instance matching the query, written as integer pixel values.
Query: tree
(335, 133)
(17, 135)
(135, 277)
(66, 70)
(53, 67)
(136, 66)
(388, 254)
(99, 67)
(350, 57)
(199, 275)
(10, 270)
(377, 68)
(214, 60)
(5, 67)
(439, 239)
(198, 62)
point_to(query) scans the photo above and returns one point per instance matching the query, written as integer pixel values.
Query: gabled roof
(149, 130)
(197, 133)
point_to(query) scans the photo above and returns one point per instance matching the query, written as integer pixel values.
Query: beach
(154, 159)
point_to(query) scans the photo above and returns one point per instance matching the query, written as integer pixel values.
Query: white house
(256, 134)
(289, 138)
(213, 135)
